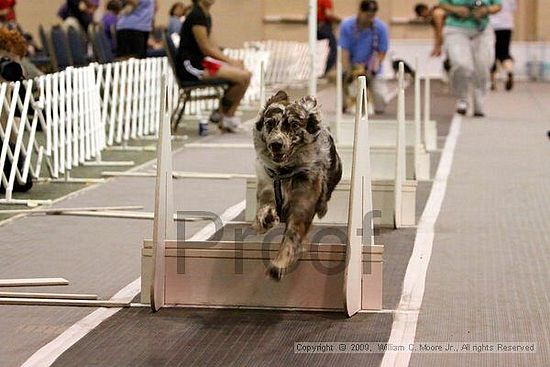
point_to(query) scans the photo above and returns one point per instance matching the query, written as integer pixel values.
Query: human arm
(208, 48)
(438, 17)
(345, 42)
(330, 14)
(457, 10)
(129, 6)
(484, 11)
(383, 46)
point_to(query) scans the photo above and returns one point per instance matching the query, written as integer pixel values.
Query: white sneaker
(231, 124)
(461, 107)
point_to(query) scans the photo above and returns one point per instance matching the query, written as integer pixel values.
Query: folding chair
(100, 44)
(58, 47)
(78, 47)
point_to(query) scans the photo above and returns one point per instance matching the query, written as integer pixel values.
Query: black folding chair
(78, 47)
(186, 87)
(100, 44)
(58, 47)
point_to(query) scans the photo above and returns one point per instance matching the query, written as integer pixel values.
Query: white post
(400, 167)
(417, 118)
(427, 112)
(312, 90)
(262, 84)
(360, 204)
(113, 98)
(339, 94)
(163, 224)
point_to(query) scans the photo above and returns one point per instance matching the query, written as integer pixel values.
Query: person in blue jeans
(134, 24)
(365, 40)
(325, 20)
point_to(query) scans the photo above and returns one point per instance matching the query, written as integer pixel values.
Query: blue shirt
(141, 19)
(363, 43)
(174, 25)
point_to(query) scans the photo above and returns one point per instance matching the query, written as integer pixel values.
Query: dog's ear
(279, 97)
(309, 104)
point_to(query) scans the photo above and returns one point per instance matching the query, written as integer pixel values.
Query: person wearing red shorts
(200, 58)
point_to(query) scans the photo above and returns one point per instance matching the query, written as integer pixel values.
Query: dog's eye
(285, 125)
(269, 124)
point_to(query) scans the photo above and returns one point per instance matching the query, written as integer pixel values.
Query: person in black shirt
(200, 58)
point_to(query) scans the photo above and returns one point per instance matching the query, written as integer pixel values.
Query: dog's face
(285, 128)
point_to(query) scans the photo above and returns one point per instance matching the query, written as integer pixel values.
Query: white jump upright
(163, 225)
(312, 35)
(231, 274)
(382, 139)
(430, 126)
(400, 169)
(360, 205)
(21, 133)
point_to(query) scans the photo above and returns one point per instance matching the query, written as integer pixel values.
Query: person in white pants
(470, 44)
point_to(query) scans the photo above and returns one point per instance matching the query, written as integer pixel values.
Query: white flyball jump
(383, 133)
(394, 196)
(231, 274)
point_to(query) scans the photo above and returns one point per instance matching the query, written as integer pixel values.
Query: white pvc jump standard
(393, 195)
(210, 279)
(383, 134)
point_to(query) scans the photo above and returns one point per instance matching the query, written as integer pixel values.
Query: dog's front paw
(286, 258)
(266, 218)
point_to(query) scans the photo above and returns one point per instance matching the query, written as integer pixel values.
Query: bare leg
(508, 65)
(240, 80)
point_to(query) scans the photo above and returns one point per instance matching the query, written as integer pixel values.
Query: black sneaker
(479, 114)
(510, 82)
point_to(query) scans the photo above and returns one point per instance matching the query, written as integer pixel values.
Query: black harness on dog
(277, 176)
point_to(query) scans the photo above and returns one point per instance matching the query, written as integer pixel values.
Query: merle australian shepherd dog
(297, 168)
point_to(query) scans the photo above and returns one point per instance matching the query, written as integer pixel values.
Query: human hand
(462, 11)
(437, 51)
(82, 6)
(480, 12)
(236, 63)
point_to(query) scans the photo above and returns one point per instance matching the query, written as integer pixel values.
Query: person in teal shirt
(470, 44)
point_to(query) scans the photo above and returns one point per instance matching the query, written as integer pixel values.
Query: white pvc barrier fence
(289, 63)
(74, 125)
(130, 97)
(17, 139)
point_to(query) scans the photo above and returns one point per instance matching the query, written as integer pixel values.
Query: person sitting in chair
(200, 58)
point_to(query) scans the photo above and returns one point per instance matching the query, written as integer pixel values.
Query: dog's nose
(276, 146)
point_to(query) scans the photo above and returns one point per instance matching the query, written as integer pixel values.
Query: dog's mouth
(278, 157)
